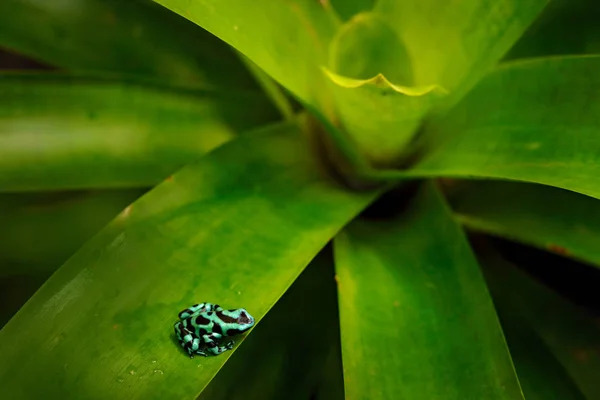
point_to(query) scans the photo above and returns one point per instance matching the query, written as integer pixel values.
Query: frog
(202, 327)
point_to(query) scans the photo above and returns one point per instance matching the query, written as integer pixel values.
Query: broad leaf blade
(287, 39)
(571, 334)
(135, 36)
(285, 355)
(453, 44)
(557, 220)
(535, 121)
(416, 318)
(236, 228)
(65, 132)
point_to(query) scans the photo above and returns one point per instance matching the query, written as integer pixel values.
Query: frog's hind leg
(190, 342)
(215, 349)
(196, 309)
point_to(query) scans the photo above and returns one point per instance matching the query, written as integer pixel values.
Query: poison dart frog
(203, 326)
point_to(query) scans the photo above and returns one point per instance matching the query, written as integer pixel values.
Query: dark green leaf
(570, 333)
(39, 232)
(133, 36)
(236, 229)
(63, 132)
(541, 376)
(417, 321)
(563, 222)
(564, 27)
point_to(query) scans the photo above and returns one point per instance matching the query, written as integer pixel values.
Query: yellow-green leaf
(535, 121)
(287, 39)
(453, 44)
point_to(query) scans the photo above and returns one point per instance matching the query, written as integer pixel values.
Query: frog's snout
(246, 319)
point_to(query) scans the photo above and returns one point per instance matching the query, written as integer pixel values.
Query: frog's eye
(245, 319)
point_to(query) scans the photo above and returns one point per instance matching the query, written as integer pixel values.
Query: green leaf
(284, 356)
(135, 36)
(287, 39)
(541, 376)
(566, 225)
(569, 332)
(453, 44)
(535, 121)
(417, 321)
(65, 132)
(564, 27)
(40, 231)
(371, 85)
(236, 228)
(331, 385)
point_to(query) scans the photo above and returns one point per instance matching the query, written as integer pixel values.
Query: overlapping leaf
(371, 84)
(570, 333)
(557, 220)
(236, 228)
(287, 39)
(134, 36)
(416, 318)
(453, 44)
(535, 121)
(64, 132)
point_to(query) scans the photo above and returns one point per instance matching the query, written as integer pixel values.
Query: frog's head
(239, 319)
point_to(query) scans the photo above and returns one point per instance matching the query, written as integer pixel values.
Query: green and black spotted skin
(202, 327)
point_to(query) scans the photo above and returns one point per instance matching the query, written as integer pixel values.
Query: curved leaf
(535, 121)
(381, 117)
(39, 232)
(569, 332)
(65, 132)
(236, 229)
(135, 36)
(453, 44)
(417, 321)
(568, 224)
(287, 39)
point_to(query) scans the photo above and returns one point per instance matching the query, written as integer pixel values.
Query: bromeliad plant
(257, 201)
